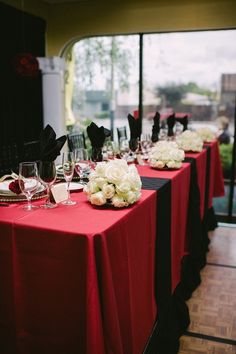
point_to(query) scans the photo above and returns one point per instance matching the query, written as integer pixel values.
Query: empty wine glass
(68, 165)
(82, 164)
(110, 148)
(145, 145)
(28, 181)
(124, 148)
(47, 176)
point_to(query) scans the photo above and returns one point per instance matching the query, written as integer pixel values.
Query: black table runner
(173, 316)
(210, 222)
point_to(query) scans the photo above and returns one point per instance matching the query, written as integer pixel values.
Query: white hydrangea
(166, 154)
(190, 141)
(115, 183)
(206, 134)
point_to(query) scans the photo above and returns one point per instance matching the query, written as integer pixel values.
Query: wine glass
(28, 181)
(47, 176)
(82, 166)
(124, 148)
(145, 145)
(110, 149)
(68, 165)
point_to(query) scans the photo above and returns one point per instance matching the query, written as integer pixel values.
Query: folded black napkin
(49, 146)
(171, 124)
(156, 127)
(135, 132)
(183, 121)
(97, 136)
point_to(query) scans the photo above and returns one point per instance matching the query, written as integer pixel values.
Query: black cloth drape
(135, 132)
(156, 128)
(171, 124)
(173, 316)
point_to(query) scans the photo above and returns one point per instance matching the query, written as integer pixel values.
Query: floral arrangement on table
(190, 141)
(206, 134)
(166, 154)
(113, 183)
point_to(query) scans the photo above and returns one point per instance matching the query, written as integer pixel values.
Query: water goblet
(47, 176)
(124, 148)
(82, 165)
(110, 149)
(68, 165)
(28, 181)
(145, 145)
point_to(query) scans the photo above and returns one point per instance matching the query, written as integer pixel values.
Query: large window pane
(193, 73)
(106, 80)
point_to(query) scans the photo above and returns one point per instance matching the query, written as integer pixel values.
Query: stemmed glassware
(47, 176)
(145, 145)
(68, 165)
(82, 164)
(124, 148)
(28, 181)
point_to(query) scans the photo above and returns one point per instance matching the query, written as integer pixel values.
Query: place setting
(23, 187)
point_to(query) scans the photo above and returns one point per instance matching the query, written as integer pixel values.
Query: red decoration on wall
(26, 65)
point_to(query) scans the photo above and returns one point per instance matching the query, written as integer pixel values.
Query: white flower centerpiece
(206, 134)
(113, 183)
(190, 141)
(166, 154)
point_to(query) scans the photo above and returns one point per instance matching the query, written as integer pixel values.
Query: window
(190, 73)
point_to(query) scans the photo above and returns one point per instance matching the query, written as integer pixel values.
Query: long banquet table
(94, 280)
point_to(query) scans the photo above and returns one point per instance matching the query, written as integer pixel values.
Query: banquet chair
(30, 151)
(121, 133)
(76, 141)
(9, 158)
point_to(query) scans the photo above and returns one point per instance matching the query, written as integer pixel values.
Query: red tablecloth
(77, 279)
(80, 279)
(216, 179)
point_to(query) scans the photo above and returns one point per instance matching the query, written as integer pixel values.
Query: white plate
(74, 186)
(4, 189)
(59, 170)
(6, 195)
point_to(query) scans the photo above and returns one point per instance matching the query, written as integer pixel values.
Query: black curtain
(21, 113)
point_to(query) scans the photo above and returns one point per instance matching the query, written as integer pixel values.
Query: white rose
(100, 169)
(100, 182)
(108, 191)
(97, 198)
(132, 169)
(92, 187)
(114, 173)
(86, 189)
(159, 164)
(134, 181)
(119, 202)
(123, 187)
(173, 164)
(122, 164)
(206, 134)
(190, 141)
(131, 197)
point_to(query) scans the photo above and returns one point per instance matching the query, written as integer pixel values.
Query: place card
(59, 192)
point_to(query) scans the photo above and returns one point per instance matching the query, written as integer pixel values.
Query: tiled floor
(213, 305)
